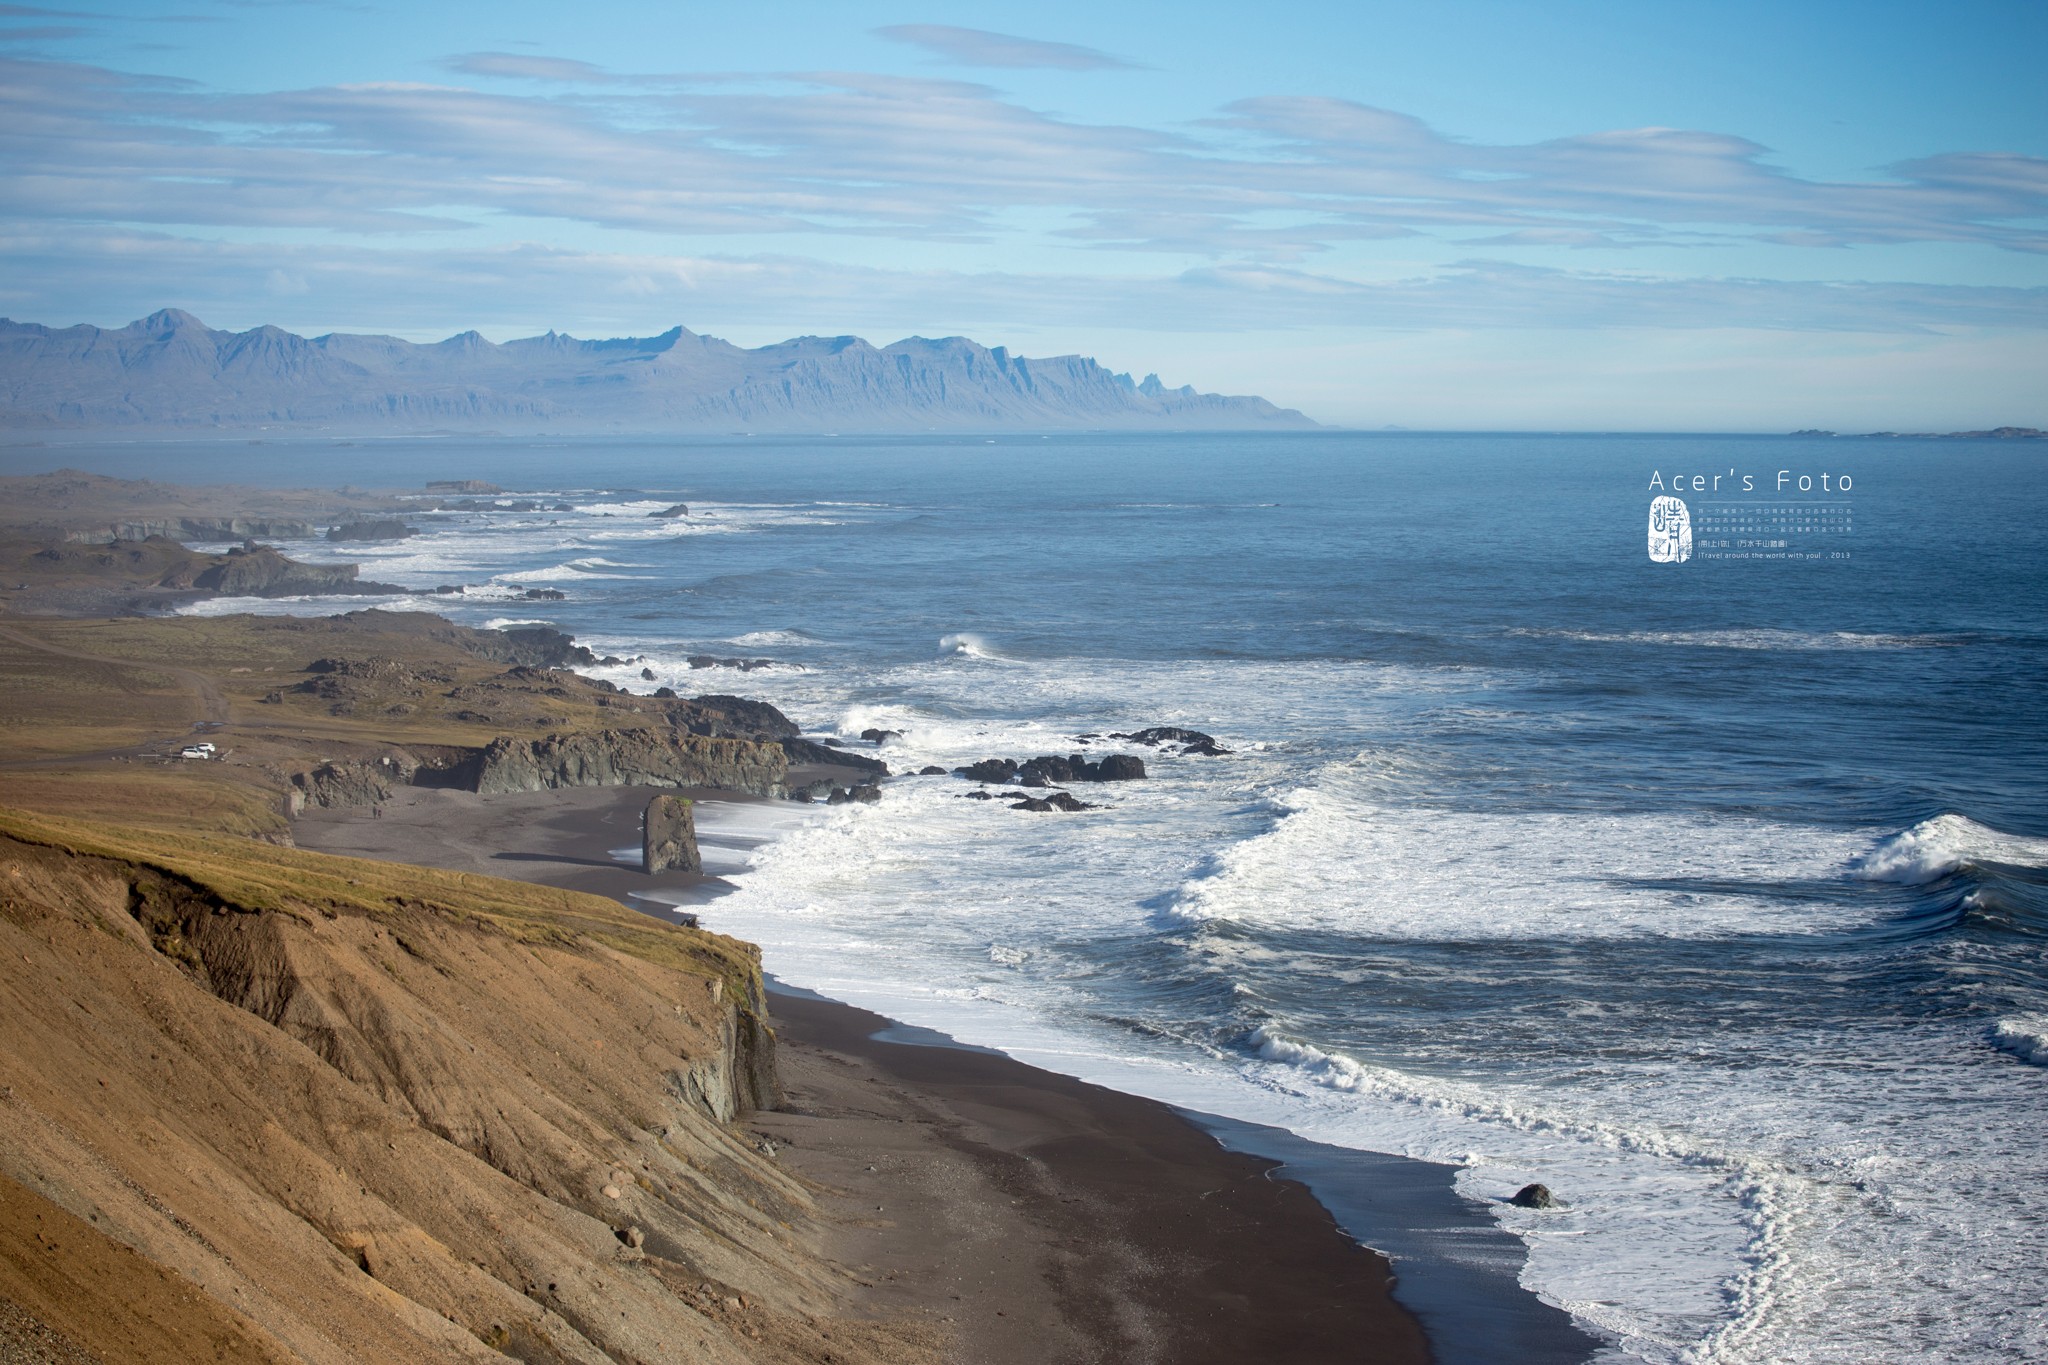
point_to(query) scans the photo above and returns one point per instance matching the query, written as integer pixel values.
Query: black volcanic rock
(1193, 741)
(1051, 770)
(804, 751)
(170, 370)
(715, 661)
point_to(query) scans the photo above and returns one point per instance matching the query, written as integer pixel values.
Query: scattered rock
(932, 770)
(714, 661)
(1056, 801)
(665, 693)
(544, 595)
(1535, 1197)
(681, 509)
(647, 675)
(880, 737)
(1052, 770)
(804, 751)
(462, 486)
(1192, 741)
(1119, 768)
(612, 1192)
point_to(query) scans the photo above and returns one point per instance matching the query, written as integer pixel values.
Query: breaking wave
(1935, 848)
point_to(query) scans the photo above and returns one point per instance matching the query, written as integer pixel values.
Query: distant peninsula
(172, 372)
(1993, 434)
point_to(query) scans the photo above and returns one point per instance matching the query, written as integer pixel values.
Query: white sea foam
(1755, 638)
(774, 639)
(1334, 861)
(1760, 1206)
(2025, 1036)
(572, 570)
(1935, 848)
(302, 606)
(968, 645)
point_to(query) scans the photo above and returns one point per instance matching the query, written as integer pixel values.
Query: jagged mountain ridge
(172, 370)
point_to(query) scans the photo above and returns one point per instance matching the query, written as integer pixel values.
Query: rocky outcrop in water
(718, 661)
(1052, 770)
(806, 751)
(1056, 801)
(1191, 741)
(668, 837)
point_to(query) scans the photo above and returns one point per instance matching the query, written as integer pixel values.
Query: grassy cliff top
(92, 713)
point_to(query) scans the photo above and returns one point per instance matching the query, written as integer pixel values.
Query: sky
(1460, 214)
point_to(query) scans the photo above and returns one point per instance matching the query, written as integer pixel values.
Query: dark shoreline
(1455, 1270)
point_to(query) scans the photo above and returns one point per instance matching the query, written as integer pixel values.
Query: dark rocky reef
(1191, 741)
(1051, 770)
(716, 661)
(681, 509)
(1056, 801)
(806, 751)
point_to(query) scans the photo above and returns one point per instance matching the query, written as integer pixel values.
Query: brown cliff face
(357, 1111)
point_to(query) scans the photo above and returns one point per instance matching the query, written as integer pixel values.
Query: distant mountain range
(170, 370)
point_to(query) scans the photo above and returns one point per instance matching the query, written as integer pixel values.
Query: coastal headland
(298, 1105)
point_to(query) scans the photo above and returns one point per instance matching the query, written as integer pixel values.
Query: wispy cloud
(979, 47)
(1272, 180)
(518, 66)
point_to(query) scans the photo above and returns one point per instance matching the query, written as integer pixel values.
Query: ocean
(1711, 894)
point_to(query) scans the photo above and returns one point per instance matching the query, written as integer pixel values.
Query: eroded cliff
(355, 1111)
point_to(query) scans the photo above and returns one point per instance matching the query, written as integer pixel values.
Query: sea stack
(668, 840)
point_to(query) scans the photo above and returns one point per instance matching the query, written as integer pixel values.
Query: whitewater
(1713, 898)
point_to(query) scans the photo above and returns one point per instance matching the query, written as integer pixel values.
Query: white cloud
(1273, 180)
(979, 47)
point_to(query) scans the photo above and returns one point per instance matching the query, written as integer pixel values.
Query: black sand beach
(1042, 1217)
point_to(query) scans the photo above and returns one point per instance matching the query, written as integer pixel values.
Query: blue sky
(1458, 214)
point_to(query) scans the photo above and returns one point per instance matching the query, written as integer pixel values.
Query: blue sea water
(1712, 895)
